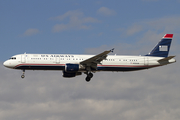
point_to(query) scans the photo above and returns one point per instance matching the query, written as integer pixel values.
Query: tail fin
(163, 47)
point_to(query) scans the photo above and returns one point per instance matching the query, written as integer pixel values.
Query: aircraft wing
(93, 61)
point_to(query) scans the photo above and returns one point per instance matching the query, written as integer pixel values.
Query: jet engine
(71, 67)
(71, 70)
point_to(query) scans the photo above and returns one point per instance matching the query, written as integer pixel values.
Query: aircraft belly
(108, 68)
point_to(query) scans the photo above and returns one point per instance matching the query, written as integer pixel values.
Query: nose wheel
(23, 75)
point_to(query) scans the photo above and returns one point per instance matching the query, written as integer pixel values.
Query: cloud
(31, 32)
(46, 95)
(134, 29)
(73, 20)
(150, 0)
(171, 23)
(164, 25)
(104, 11)
(147, 33)
(100, 34)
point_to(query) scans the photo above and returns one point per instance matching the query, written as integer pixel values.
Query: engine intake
(71, 67)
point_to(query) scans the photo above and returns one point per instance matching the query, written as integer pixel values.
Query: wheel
(22, 76)
(90, 75)
(88, 79)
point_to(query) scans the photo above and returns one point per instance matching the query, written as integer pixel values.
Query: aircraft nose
(5, 64)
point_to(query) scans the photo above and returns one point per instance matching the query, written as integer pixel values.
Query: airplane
(73, 65)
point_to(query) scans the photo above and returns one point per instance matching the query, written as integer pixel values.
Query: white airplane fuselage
(58, 62)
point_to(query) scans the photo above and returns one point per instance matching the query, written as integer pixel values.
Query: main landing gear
(89, 76)
(23, 76)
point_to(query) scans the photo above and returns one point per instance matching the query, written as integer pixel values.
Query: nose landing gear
(23, 76)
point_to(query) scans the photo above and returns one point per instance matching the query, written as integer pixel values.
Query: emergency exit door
(146, 61)
(23, 58)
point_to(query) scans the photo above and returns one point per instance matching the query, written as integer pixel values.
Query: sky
(132, 27)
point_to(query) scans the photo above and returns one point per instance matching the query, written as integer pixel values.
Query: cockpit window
(13, 58)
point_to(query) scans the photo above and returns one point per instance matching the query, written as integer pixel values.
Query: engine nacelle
(71, 68)
(70, 74)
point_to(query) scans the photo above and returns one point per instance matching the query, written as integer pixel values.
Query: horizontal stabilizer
(166, 59)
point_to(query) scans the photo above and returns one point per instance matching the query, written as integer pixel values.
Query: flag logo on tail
(163, 48)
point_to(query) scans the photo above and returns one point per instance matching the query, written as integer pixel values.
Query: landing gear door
(23, 58)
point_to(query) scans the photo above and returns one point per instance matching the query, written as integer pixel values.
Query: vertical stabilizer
(163, 47)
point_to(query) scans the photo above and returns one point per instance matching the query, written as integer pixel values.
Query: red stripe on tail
(168, 36)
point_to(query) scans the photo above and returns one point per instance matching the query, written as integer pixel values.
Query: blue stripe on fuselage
(39, 67)
(62, 67)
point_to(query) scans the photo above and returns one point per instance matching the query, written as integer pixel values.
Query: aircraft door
(57, 59)
(146, 61)
(23, 58)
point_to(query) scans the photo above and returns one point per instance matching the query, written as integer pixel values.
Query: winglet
(112, 50)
